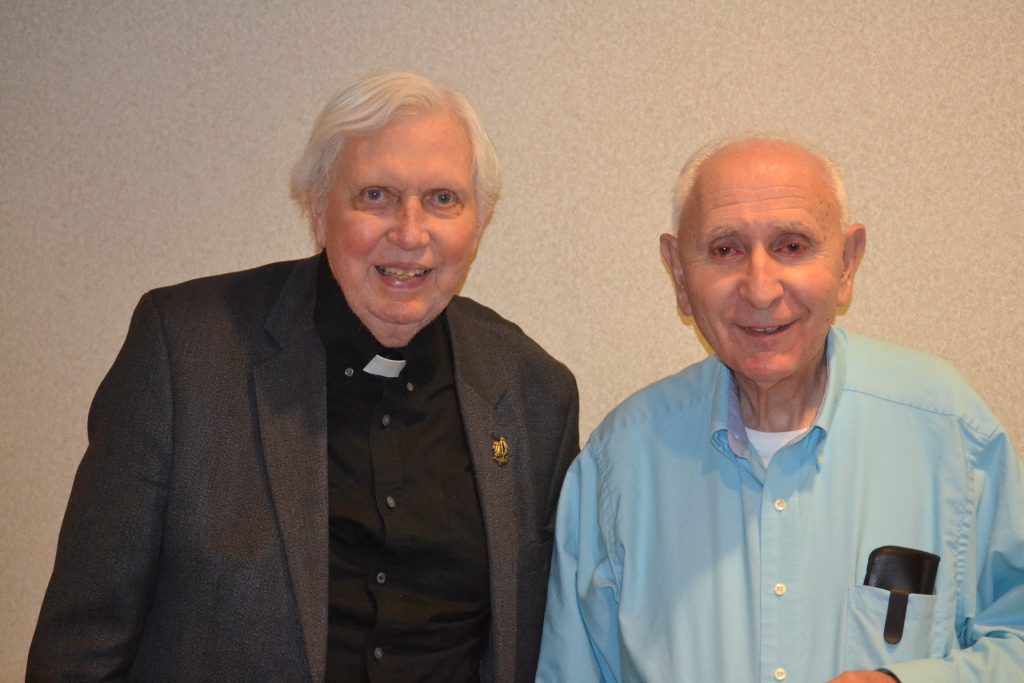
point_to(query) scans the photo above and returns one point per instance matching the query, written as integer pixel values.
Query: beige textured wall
(145, 143)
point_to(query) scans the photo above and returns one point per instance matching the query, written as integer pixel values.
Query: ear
(855, 241)
(316, 212)
(478, 235)
(484, 214)
(670, 252)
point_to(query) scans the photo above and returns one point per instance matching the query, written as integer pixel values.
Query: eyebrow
(727, 231)
(795, 226)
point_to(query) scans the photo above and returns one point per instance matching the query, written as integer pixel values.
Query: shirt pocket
(866, 607)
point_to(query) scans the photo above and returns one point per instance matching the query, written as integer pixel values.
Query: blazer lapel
(290, 386)
(481, 383)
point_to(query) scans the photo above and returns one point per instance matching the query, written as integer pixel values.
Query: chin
(402, 312)
(764, 373)
(417, 322)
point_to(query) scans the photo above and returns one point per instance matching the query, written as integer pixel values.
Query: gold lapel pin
(499, 449)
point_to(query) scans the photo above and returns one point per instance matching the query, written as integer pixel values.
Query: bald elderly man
(806, 504)
(326, 469)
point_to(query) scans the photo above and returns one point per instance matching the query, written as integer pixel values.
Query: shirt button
(349, 372)
(390, 502)
(381, 578)
(378, 653)
(386, 420)
(409, 386)
(780, 505)
(780, 589)
(780, 673)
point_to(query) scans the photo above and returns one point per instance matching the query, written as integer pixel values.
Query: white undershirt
(767, 444)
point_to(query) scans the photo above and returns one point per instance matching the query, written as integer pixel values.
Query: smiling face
(400, 223)
(762, 264)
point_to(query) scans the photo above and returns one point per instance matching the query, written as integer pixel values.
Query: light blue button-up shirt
(679, 557)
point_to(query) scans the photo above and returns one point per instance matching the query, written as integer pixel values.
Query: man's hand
(864, 677)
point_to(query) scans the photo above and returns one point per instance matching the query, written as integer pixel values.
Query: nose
(409, 230)
(761, 285)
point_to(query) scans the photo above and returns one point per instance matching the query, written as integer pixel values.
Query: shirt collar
(347, 339)
(835, 352)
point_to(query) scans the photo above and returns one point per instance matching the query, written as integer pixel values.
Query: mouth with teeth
(401, 274)
(767, 331)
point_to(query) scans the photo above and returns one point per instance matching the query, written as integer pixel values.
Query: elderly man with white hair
(806, 504)
(327, 469)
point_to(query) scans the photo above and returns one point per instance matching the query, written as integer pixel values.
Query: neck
(390, 335)
(783, 406)
(393, 337)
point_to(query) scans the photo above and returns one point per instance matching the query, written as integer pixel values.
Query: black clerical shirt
(409, 598)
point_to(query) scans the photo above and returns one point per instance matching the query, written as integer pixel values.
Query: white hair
(367, 106)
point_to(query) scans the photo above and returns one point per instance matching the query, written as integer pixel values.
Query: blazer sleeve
(567, 449)
(97, 600)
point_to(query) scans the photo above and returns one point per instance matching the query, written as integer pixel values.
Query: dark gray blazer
(195, 543)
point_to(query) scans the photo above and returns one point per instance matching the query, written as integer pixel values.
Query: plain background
(144, 143)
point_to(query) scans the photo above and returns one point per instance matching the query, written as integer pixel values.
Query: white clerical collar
(384, 367)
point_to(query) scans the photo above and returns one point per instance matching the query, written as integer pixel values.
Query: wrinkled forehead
(763, 178)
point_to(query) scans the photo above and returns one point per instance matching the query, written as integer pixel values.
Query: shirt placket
(387, 492)
(781, 598)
